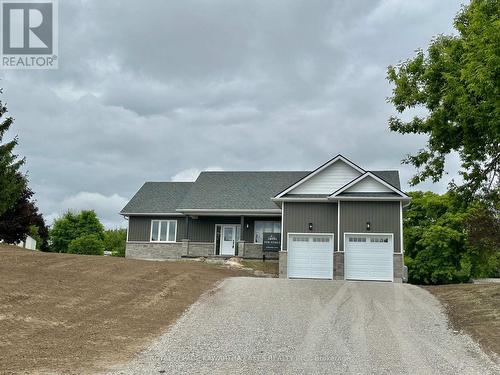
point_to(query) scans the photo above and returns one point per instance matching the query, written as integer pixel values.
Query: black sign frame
(271, 242)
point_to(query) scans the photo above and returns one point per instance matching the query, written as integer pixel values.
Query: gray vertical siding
(201, 229)
(298, 215)
(139, 227)
(383, 217)
(248, 234)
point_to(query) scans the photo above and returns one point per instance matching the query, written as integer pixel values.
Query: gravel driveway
(263, 326)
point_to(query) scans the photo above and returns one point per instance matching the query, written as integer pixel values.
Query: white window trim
(159, 230)
(338, 226)
(282, 225)
(266, 221)
(401, 227)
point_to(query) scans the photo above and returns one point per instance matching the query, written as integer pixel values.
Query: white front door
(228, 241)
(368, 257)
(310, 256)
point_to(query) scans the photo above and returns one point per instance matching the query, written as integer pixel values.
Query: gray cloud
(161, 90)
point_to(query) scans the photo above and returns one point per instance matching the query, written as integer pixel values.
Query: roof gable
(327, 178)
(368, 182)
(368, 185)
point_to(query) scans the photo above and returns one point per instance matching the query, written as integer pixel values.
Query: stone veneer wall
(398, 267)
(338, 265)
(200, 249)
(176, 250)
(154, 251)
(254, 251)
(283, 264)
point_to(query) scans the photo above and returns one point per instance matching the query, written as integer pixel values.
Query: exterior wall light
(368, 226)
(310, 226)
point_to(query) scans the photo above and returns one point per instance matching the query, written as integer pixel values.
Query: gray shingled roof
(392, 177)
(238, 190)
(221, 190)
(157, 198)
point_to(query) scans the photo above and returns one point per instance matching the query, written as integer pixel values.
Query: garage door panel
(310, 256)
(369, 257)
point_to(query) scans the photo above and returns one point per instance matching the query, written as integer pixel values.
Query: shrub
(89, 244)
(114, 241)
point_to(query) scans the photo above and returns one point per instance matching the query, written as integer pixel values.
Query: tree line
(455, 236)
(78, 233)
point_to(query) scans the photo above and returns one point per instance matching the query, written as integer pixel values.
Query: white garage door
(310, 256)
(368, 257)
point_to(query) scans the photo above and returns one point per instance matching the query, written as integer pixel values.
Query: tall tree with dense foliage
(482, 226)
(21, 219)
(11, 186)
(448, 241)
(457, 85)
(72, 226)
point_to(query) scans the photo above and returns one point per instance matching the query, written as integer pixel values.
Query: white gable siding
(328, 180)
(368, 185)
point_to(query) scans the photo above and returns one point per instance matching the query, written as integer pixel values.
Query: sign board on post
(271, 242)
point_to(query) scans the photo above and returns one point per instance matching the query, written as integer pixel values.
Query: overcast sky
(159, 90)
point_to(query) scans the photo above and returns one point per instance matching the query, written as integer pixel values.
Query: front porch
(211, 236)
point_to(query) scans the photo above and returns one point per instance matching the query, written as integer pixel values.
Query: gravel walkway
(273, 326)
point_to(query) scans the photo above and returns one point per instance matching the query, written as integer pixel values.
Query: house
(29, 243)
(336, 222)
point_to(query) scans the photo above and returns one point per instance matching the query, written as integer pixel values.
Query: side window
(163, 230)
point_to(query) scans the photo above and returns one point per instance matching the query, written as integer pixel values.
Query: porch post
(242, 226)
(186, 231)
(241, 242)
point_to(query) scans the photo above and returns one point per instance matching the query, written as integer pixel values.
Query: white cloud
(106, 207)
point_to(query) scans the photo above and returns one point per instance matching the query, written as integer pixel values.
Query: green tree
(72, 226)
(17, 221)
(448, 241)
(483, 239)
(114, 241)
(88, 244)
(457, 85)
(11, 186)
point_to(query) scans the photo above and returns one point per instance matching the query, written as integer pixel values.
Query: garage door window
(357, 239)
(379, 239)
(321, 239)
(300, 239)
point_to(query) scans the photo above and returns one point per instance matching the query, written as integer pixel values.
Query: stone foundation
(338, 265)
(186, 248)
(283, 264)
(154, 251)
(398, 267)
(199, 249)
(254, 251)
